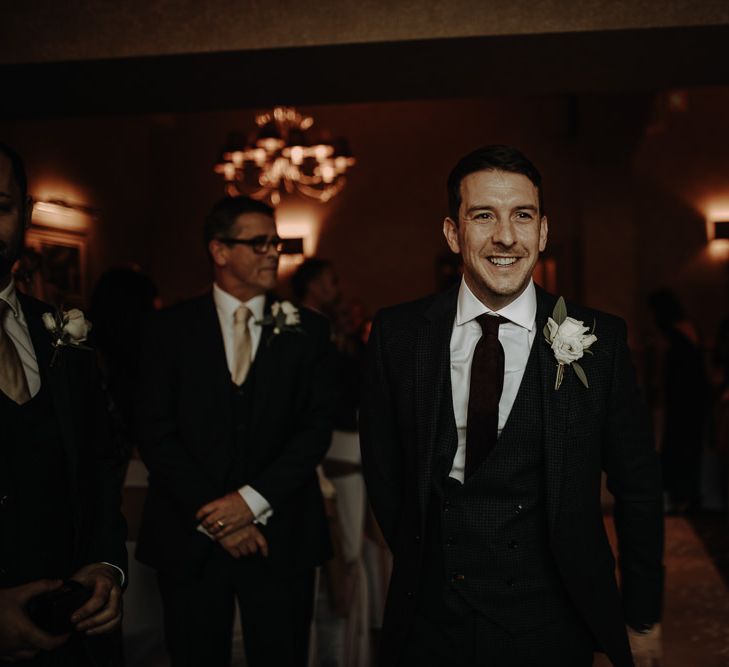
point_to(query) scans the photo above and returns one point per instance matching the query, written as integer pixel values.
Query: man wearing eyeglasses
(234, 415)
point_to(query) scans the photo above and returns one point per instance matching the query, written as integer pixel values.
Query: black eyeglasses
(259, 244)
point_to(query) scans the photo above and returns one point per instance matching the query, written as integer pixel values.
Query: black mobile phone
(52, 611)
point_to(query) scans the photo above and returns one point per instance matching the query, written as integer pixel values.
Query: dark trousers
(447, 632)
(455, 636)
(72, 654)
(275, 614)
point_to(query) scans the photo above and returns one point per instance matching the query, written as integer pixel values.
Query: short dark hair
(219, 223)
(18, 168)
(307, 272)
(491, 158)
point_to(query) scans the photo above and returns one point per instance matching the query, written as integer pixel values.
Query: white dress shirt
(17, 329)
(226, 305)
(516, 337)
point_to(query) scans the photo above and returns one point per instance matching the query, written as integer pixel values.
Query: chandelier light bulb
(327, 173)
(297, 155)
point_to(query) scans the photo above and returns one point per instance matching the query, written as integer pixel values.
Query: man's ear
(450, 231)
(218, 252)
(543, 233)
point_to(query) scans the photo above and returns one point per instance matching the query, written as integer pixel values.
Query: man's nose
(504, 233)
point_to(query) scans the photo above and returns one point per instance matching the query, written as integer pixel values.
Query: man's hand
(20, 639)
(647, 648)
(226, 515)
(245, 542)
(103, 611)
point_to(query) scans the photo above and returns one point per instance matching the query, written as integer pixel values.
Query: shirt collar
(522, 311)
(227, 304)
(10, 296)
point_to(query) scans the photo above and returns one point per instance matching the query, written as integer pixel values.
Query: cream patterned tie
(13, 382)
(241, 345)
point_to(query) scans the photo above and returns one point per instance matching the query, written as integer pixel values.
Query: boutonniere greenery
(284, 317)
(569, 340)
(68, 328)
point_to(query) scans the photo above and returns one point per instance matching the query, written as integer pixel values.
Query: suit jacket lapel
(555, 406)
(55, 377)
(208, 352)
(434, 420)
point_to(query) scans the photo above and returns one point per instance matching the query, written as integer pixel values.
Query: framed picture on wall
(61, 259)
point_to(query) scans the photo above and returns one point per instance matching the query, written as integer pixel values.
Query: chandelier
(281, 157)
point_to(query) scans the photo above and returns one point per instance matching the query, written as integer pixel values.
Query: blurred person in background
(121, 300)
(721, 408)
(684, 392)
(342, 615)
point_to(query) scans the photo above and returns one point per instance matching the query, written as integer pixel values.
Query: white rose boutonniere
(569, 340)
(68, 328)
(284, 316)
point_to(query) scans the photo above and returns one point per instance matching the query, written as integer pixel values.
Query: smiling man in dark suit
(485, 432)
(60, 477)
(235, 413)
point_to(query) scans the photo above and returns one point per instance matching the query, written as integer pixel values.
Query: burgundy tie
(487, 382)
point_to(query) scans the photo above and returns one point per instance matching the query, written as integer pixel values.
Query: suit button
(417, 538)
(458, 578)
(510, 582)
(450, 541)
(4, 501)
(513, 544)
(518, 508)
(409, 595)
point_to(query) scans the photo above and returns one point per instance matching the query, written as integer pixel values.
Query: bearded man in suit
(60, 476)
(234, 414)
(485, 433)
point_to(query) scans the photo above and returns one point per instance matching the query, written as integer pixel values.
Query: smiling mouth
(503, 261)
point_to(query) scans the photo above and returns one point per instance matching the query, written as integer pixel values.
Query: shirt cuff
(122, 578)
(201, 529)
(262, 511)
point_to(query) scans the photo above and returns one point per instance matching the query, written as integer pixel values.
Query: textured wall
(42, 31)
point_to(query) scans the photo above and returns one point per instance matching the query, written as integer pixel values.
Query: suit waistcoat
(242, 453)
(35, 509)
(494, 528)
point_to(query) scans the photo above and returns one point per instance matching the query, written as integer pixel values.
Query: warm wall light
(295, 222)
(721, 229)
(718, 250)
(62, 215)
(719, 240)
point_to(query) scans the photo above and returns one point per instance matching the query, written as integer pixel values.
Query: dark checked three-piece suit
(513, 567)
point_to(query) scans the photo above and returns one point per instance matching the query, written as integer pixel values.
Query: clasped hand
(21, 639)
(229, 520)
